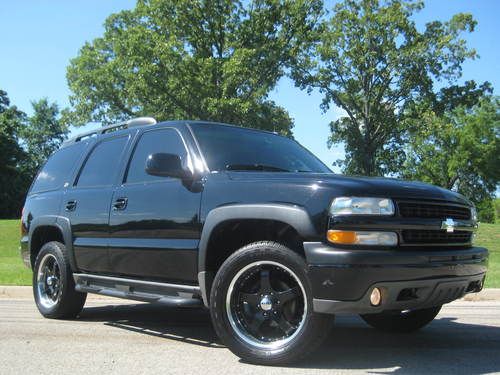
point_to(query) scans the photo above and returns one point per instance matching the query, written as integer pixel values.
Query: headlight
(362, 206)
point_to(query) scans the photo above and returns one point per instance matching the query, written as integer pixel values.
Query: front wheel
(402, 321)
(261, 305)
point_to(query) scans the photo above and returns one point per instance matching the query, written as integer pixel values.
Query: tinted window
(234, 148)
(151, 142)
(102, 164)
(58, 168)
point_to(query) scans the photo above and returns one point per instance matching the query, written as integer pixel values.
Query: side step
(168, 294)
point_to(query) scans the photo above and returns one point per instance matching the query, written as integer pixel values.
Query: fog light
(375, 297)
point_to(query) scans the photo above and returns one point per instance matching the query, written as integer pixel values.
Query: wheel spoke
(56, 270)
(284, 325)
(55, 293)
(256, 323)
(265, 281)
(252, 299)
(288, 295)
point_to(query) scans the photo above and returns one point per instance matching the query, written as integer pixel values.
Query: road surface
(119, 337)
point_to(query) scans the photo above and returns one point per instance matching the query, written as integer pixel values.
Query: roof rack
(138, 121)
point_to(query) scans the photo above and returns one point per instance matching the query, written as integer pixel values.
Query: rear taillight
(23, 228)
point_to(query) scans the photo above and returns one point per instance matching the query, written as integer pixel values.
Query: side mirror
(166, 165)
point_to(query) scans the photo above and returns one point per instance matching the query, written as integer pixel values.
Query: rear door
(154, 224)
(88, 202)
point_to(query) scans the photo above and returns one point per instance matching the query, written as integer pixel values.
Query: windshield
(234, 148)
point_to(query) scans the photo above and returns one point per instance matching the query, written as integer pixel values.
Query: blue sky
(40, 36)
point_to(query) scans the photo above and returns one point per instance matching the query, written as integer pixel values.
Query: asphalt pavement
(114, 336)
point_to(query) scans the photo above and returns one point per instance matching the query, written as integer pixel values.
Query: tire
(53, 284)
(403, 322)
(263, 290)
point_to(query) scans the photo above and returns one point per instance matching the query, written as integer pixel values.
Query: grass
(13, 272)
(489, 237)
(12, 269)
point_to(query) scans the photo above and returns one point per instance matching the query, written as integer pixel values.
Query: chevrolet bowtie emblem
(449, 225)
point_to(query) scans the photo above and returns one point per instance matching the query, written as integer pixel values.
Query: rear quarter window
(57, 170)
(103, 162)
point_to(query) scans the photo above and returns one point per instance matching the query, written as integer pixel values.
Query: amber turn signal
(344, 237)
(341, 237)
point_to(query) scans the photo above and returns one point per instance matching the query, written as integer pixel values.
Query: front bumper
(342, 279)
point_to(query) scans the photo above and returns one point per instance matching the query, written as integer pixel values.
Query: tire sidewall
(237, 261)
(56, 249)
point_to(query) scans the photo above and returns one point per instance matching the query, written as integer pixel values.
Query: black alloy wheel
(261, 305)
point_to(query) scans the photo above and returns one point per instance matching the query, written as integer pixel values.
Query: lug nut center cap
(51, 280)
(266, 304)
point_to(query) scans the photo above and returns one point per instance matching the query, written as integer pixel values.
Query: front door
(154, 224)
(87, 204)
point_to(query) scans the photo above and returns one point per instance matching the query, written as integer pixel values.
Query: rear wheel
(53, 284)
(261, 305)
(402, 321)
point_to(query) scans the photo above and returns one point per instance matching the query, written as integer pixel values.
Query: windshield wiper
(254, 167)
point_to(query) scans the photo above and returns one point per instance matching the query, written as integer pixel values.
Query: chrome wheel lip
(272, 345)
(42, 282)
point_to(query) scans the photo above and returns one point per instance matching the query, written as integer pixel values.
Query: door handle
(120, 204)
(70, 205)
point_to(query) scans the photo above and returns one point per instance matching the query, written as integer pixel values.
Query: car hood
(356, 186)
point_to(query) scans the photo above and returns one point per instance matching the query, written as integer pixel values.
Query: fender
(60, 222)
(295, 216)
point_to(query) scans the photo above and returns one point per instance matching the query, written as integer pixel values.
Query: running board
(146, 291)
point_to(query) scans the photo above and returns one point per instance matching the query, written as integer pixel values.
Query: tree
(459, 150)
(12, 182)
(373, 62)
(43, 135)
(26, 142)
(197, 59)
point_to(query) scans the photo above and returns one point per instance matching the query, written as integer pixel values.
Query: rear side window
(58, 168)
(102, 165)
(151, 142)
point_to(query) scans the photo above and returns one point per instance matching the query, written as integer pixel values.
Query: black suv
(248, 224)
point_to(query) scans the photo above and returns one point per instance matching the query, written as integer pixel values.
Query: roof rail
(138, 121)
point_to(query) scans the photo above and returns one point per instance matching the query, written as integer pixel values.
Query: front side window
(151, 142)
(234, 148)
(102, 165)
(58, 168)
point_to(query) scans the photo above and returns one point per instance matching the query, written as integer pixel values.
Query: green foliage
(26, 142)
(497, 208)
(458, 150)
(197, 59)
(486, 211)
(12, 182)
(371, 61)
(44, 133)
